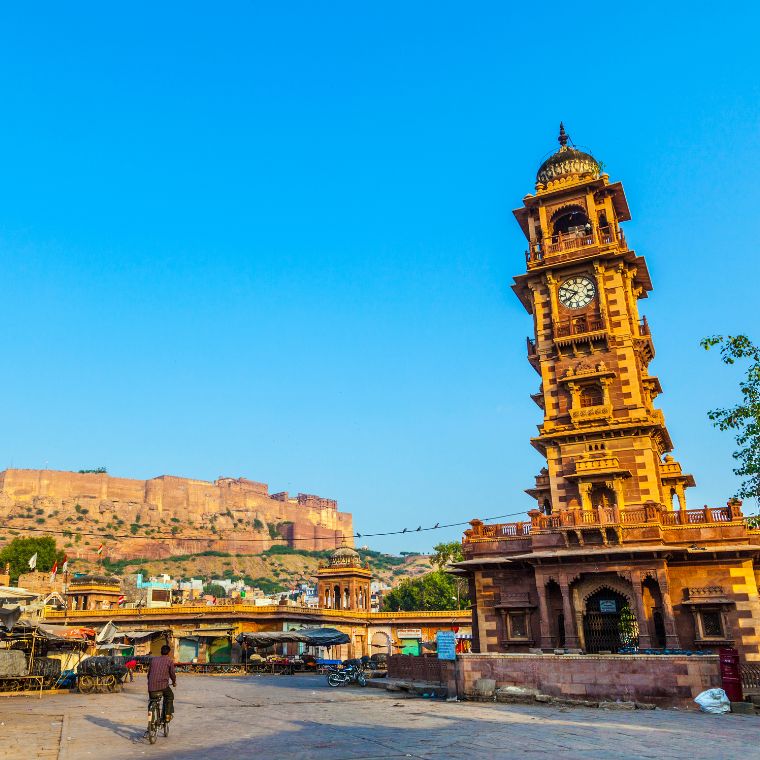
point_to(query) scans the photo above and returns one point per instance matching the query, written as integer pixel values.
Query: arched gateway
(609, 624)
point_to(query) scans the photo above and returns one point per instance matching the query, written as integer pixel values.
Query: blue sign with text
(447, 645)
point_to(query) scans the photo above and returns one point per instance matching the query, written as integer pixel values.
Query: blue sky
(278, 242)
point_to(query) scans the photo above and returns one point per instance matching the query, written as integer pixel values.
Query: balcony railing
(578, 326)
(559, 246)
(649, 513)
(195, 612)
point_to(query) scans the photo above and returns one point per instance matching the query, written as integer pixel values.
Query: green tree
(744, 417)
(432, 591)
(446, 553)
(215, 590)
(19, 551)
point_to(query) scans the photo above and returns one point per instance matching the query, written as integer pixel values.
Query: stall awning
(314, 637)
(65, 632)
(137, 635)
(110, 633)
(9, 617)
(214, 632)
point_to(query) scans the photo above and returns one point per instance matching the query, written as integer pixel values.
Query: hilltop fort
(230, 514)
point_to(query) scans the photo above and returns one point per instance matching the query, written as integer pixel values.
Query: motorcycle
(346, 675)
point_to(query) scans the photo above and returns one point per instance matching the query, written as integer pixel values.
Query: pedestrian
(130, 665)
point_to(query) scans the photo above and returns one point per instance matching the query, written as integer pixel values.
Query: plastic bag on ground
(713, 701)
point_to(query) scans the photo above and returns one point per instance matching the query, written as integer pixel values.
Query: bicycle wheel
(334, 679)
(109, 682)
(86, 684)
(153, 718)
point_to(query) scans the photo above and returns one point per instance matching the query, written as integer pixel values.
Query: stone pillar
(645, 639)
(617, 487)
(571, 637)
(681, 496)
(479, 614)
(543, 614)
(585, 491)
(605, 383)
(668, 618)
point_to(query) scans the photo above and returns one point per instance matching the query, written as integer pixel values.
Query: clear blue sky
(278, 242)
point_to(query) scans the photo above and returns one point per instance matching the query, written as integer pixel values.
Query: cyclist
(161, 671)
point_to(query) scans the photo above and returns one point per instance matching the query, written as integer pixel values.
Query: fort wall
(229, 510)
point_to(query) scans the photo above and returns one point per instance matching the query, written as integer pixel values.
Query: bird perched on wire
(419, 528)
(437, 525)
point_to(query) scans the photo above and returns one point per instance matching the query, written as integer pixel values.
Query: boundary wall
(664, 680)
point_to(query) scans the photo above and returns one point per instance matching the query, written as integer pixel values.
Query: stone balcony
(640, 523)
(563, 247)
(591, 414)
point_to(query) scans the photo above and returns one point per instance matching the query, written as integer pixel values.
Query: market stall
(288, 664)
(38, 656)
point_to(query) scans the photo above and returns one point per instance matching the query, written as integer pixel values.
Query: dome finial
(562, 139)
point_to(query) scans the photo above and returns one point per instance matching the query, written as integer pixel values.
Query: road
(233, 718)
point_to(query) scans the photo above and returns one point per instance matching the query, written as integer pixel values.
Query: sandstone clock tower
(605, 443)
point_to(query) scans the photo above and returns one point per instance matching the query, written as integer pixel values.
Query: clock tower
(605, 443)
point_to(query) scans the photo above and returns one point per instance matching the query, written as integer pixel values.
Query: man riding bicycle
(161, 671)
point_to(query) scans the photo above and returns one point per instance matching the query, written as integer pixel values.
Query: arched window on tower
(574, 220)
(591, 395)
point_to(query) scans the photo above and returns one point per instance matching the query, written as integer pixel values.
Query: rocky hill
(165, 516)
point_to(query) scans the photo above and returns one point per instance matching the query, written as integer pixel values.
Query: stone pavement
(232, 718)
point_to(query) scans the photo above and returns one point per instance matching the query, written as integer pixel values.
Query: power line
(163, 536)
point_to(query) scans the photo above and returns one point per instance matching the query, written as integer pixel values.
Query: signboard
(447, 645)
(409, 633)
(607, 605)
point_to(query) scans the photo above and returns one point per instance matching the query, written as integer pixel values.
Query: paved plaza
(301, 717)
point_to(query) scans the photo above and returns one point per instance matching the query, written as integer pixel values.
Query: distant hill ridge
(230, 514)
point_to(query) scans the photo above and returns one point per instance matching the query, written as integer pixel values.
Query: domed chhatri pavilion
(343, 583)
(610, 558)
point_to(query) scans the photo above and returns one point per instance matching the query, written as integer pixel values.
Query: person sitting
(160, 672)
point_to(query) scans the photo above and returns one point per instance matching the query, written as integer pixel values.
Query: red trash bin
(730, 673)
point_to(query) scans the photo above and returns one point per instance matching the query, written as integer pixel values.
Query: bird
(437, 525)
(358, 535)
(419, 528)
(404, 531)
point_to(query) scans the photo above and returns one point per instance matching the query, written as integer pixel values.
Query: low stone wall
(408, 667)
(666, 680)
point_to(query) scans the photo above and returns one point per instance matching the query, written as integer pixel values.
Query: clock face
(577, 292)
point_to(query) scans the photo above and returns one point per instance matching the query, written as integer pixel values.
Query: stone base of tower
(597, 581)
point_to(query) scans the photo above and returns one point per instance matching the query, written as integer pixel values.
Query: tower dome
(567, 162)
(345, 556)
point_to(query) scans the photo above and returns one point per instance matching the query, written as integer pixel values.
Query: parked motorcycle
(346, 675)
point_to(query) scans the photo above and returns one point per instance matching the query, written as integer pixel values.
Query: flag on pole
(65, 567)
(100, 549)
(33, 561)
(121, 599)
(53, 571)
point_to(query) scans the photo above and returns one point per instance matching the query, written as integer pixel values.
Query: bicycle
(156, 718)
